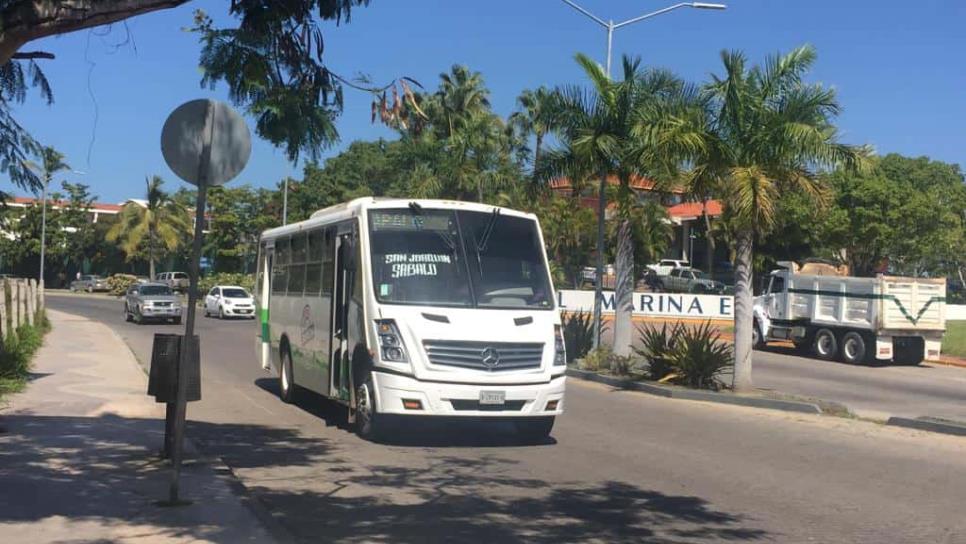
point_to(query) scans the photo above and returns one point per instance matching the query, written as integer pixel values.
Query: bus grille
(488, 356)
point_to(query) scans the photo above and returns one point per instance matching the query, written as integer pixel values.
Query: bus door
(341, 322)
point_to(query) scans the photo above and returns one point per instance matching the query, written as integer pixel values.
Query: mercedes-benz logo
(491, 358)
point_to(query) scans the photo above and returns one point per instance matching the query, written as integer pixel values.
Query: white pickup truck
(860, 320)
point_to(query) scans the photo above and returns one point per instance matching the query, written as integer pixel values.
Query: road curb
(932, 424)
(693, 394)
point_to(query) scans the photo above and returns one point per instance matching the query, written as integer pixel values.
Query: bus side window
(328, 261)
(313, 267)
(280, 266)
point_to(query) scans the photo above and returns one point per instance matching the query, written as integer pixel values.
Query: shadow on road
(102, 474)
(54, 467)
(468, 500)
(438, 432)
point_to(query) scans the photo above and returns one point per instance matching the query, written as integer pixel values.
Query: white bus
(414, 307)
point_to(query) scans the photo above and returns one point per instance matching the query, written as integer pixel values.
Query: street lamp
(611, 26)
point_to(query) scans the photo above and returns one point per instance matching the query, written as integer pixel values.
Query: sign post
(205, 143)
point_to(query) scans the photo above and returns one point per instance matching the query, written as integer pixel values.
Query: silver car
(89, 283)
(151, 301)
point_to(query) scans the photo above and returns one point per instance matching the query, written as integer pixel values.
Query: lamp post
(611, 26)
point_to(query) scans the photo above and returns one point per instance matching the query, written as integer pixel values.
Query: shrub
(656, 347)
(578, 333)
(17, 351)
(698, 357)
(118, 283)
(597, 359)
(604, 359)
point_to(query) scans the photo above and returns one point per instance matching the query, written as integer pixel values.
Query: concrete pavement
(78, 454)
(621, 467)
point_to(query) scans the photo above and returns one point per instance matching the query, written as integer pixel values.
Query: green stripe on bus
(264, 319)
(867, 296)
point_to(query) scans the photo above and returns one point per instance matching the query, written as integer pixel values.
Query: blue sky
(898, 67)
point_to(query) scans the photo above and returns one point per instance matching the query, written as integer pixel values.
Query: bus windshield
(440, 257)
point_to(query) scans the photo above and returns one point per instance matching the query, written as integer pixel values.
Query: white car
(665, 266)
(229, 301)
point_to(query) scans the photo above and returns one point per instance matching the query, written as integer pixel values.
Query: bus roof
(355, 207)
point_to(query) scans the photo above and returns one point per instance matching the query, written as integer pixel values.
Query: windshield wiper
(483, 242)
(485, 238)
(446, 237)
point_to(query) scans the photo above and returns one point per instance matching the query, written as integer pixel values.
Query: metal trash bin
(163, 375)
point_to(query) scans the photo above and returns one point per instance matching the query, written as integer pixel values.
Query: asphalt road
(621, 466)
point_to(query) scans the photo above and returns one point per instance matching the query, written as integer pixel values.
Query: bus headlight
(391, 348)
(559, 348)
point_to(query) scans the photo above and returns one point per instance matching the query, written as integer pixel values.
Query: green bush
(118, 283)
(578, 333)
(17, 351)
(656, 348)
(698, 357)
(603, 359)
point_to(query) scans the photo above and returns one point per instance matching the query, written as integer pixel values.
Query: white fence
(956, 312)
(679, 305)
(20, 304)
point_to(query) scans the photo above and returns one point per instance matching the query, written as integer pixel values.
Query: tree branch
(32, 55)
(27, 20)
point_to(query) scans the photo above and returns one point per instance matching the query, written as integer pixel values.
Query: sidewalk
(78, 454)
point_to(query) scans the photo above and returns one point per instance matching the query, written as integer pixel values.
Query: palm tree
(51, 162)
(533, 118)
(617, 129)
(461, 94)
(767, 133)
(160, 219)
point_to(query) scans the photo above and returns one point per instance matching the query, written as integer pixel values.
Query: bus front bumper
(405, 395)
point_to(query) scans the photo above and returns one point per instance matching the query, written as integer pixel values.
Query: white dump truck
(823, 310)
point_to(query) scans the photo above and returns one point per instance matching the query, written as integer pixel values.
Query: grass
(16, 355)
(954, 342)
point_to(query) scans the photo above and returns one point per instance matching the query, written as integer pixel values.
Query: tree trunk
(25, 21)
(744, 319)
(708, 241)
(624, 289)
(599, 287)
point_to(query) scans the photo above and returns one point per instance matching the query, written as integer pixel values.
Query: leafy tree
(237, 216)
(159, 223)
(75, 215)
(617, 129)
(533, 118)
(905, 213)
(272, 62)
(767, 131)
(568, 233)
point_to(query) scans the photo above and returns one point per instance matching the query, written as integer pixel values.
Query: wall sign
(653, 304)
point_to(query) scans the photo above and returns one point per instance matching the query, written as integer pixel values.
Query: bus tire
(368, 421)
(286, 379)
(854, 350)
(536, 429)
(825, 345)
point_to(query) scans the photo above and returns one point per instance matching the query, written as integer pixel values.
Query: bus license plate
(492, 397)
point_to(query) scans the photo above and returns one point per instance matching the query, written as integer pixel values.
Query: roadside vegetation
(954, 342)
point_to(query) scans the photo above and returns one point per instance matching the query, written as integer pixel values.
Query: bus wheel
(367, 418)
(286, 383)
(535, 429)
